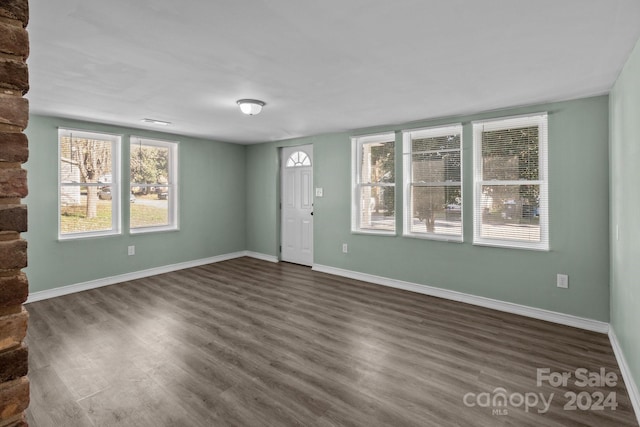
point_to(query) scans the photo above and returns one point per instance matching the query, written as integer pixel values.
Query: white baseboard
(97, 283)
(263, 257)
(523, 310)
(537, 313)
(632, 387)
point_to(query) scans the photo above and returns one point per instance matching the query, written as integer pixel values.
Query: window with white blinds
(433, 182)
(373, 184)
(88, 184)
(511, 182)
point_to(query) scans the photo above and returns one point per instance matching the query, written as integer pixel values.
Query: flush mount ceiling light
(251, 107)
(156, 122)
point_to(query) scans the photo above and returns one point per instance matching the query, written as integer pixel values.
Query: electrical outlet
(345, 248)
(131, 250)
(562, 281)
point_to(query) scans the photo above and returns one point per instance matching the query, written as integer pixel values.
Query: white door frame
(296, 204)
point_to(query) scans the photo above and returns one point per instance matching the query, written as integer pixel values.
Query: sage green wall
(625, 211)
(211, 210)
(579, 215)
(262, 167)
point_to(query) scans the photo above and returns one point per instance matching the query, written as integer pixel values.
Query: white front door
(296, 196)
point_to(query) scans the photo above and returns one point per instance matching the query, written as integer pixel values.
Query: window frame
(528, 120)
(172, 184)
(408, 136)
(356, 168)
(298, 164)
(116, 161)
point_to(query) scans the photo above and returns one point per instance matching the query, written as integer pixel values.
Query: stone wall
(14, 150)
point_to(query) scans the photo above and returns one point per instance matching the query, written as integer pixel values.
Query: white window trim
(116, 211)
(356, 143)
(407, 136)
(298, 165)
(173, 198)
(537, 119)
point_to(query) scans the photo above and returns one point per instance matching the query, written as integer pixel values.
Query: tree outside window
(433, 179)
(153, 181)
(88, 182)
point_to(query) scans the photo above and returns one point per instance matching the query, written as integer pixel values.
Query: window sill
(145, 230)
(437, 237)
(512, 245)
(82, 236)
(374, 232)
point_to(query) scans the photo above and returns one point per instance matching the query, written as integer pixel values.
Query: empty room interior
(336, 213)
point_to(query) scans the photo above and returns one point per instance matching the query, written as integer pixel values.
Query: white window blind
(511, 182)
(433, 182)
(373, 184)
(88, 184)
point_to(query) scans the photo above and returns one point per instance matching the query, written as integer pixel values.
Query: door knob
(311, 213)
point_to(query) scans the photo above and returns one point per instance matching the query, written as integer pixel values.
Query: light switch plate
(562, 281)
(319, 192)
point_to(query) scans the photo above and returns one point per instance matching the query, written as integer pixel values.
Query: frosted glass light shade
(250, 106)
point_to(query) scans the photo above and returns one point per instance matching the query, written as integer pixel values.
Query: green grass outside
(148, 216)
(73, 218)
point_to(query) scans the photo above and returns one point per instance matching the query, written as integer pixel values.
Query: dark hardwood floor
(250, 343)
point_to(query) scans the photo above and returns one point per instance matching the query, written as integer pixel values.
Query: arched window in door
(298, 159)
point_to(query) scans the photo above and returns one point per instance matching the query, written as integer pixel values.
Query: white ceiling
(321, 66)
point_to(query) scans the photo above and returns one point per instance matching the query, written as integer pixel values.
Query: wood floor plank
(250, 343)
(52, 404)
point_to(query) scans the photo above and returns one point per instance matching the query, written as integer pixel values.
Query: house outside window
(88, 184)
